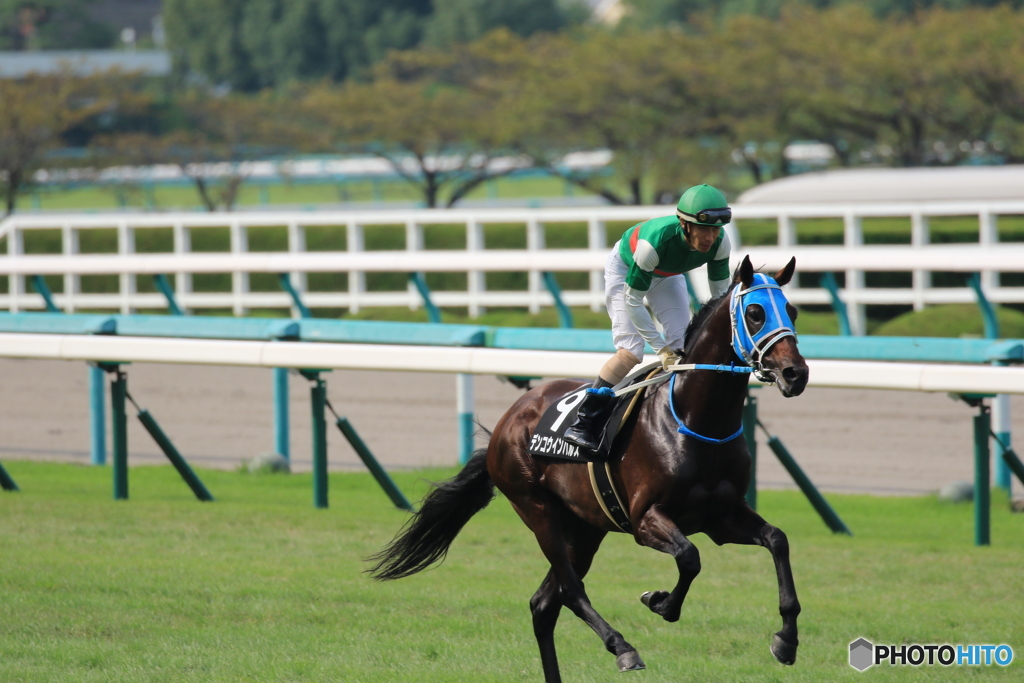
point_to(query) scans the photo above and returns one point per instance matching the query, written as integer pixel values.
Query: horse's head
(762, 327)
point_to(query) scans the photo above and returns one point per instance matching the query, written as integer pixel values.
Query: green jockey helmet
(704, 205)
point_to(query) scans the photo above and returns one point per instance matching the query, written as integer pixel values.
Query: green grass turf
(252, 194)
(260, 586)
(952, 320)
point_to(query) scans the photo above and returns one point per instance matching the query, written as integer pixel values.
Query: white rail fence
(467, 360)
(853, 258)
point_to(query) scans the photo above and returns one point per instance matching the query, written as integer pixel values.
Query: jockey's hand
(668, 358)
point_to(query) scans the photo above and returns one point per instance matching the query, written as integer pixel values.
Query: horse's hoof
(783, 650)
(656, 601)
(630, 661)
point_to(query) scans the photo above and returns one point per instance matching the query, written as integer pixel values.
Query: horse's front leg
(746, 527)
(657, 531)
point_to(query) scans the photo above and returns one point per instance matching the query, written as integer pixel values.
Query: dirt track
(846, 440)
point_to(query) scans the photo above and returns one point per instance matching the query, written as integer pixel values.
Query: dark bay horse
(675, 480)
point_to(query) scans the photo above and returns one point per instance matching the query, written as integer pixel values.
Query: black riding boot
(590, 418)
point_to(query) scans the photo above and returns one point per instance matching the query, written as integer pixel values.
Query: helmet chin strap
(752, 348)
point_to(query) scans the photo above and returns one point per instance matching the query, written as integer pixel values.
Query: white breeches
(668, 299)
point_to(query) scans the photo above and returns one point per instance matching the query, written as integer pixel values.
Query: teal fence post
(564, 314)
(119, 432)
(162, 284)
(97, 407)
(1001, 403)
(824, 510)
(828, 281)
(420, 282)
(174, 456)
(988, 313)
(6, 483)
(39, 284)
(749, 435)
(982, 476)
(318, 403)
(463, 382)
(282, 436)
(97, 415)
(378, 472)
(285, 281)
(464, 400)
(282, 419)
(1013, 463)
(1003, 437)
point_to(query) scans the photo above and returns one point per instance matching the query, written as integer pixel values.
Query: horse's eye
(755, 316)
(793, 313)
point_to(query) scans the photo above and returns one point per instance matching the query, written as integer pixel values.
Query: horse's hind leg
(545, 606)
(746, 527)
(564, 586)
(657, 531)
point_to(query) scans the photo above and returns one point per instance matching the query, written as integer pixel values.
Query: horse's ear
(786, 274)
(744, 272)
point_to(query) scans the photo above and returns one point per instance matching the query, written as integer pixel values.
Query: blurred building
(84, 62)
(132, 31)
(608, 12)
(141, 16)
(856, 185)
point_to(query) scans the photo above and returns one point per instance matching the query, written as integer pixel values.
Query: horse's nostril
(790, 374)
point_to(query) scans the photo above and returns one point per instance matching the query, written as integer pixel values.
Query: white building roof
(982, 183)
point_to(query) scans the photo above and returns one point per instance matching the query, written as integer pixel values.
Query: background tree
(34, 113)
(990, 64)
(253, 44)
(52, 25)
(630, 93)
(463, 21)
(659, 13)
(215, 142)
(886, 82)
(441, 139)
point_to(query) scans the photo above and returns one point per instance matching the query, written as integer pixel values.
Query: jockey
(647, 265)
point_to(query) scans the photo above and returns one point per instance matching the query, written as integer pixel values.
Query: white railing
(469, 360)
(853, 258)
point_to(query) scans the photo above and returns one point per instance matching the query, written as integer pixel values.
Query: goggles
(708, 216)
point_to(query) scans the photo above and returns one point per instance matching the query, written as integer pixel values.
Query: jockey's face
(700, 237)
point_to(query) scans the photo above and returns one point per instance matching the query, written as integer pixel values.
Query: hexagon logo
(862, 654)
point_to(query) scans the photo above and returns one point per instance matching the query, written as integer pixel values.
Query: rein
(767, 294)
(683, 429)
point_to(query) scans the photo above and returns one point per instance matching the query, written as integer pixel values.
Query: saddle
(547, 438)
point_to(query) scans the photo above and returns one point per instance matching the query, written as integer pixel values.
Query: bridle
(763, 291)
(766, 293)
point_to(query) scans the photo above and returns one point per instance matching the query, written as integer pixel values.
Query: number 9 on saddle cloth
(547, 435)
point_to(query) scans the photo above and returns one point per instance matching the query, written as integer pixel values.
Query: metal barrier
(603, 224)
(979, 379)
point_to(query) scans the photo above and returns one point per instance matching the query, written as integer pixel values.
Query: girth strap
(601, 473)
(607, 496)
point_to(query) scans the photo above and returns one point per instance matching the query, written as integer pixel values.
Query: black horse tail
(425, 538)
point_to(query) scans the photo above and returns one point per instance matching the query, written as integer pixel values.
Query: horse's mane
(702, 315)
(701, 318)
